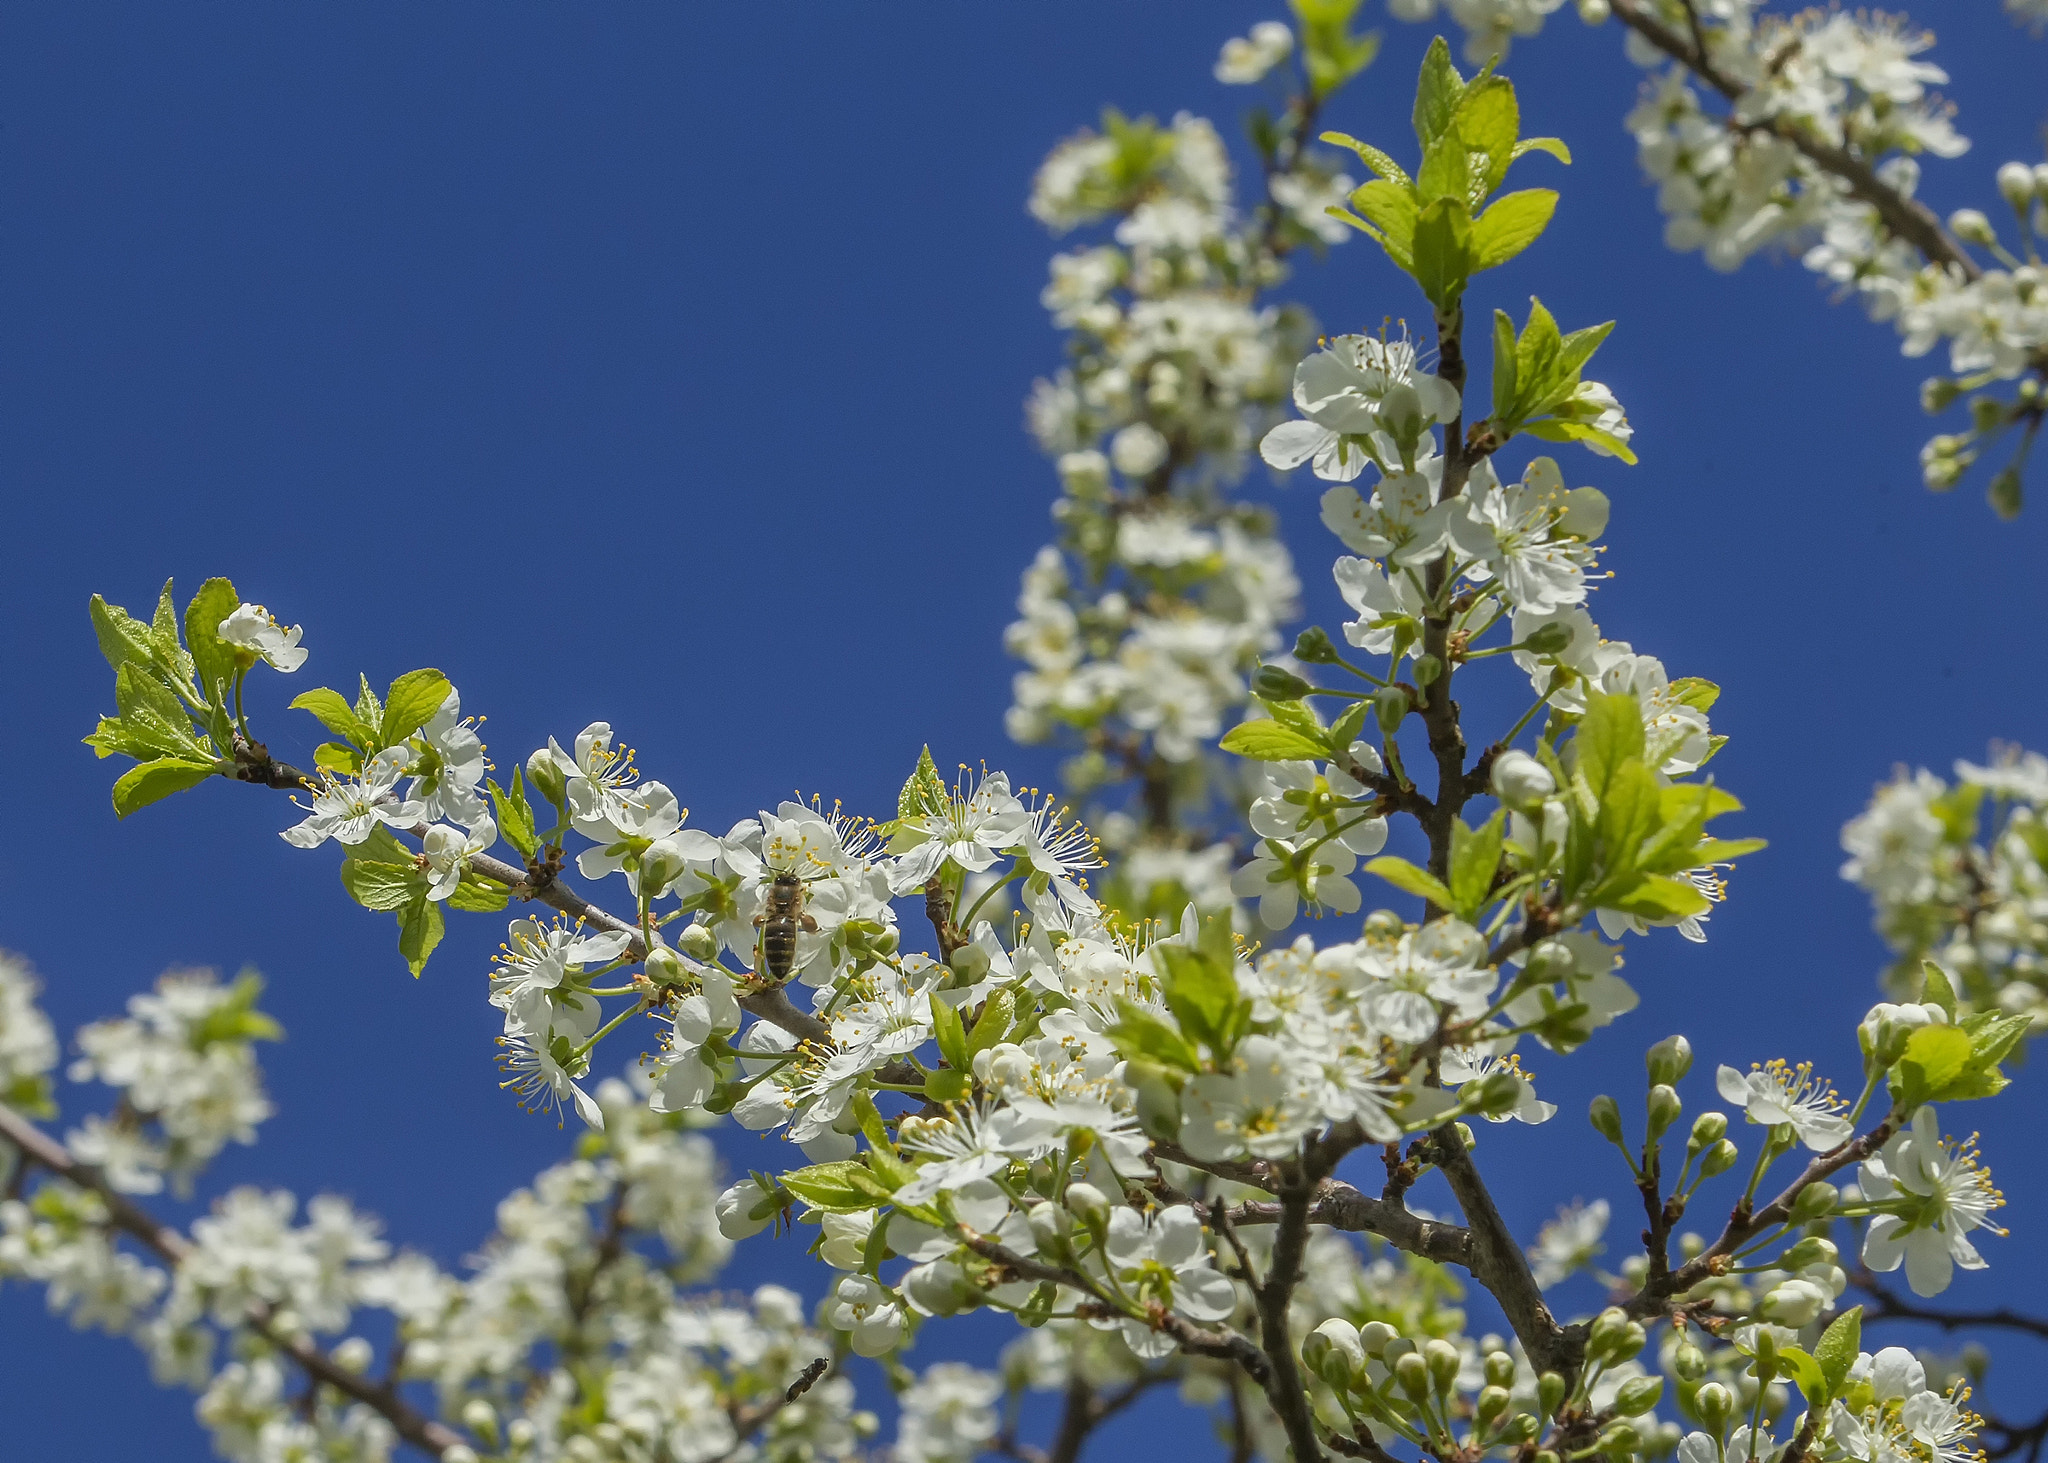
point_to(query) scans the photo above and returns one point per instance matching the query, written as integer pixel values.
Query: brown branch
(1275, 1298)
(1908, 218)
(171, 1246)
(1086, 1409)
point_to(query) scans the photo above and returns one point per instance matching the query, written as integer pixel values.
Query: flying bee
(779, 923)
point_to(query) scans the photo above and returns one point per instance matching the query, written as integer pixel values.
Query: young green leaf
(514, 816)
(150, 782)
(1438, 91)
(1512, 224)
(950, 1033)
(213, 659)
(1404, 875)
(411, 703)
(419, 931)
(1475, 859)
(1269, 741)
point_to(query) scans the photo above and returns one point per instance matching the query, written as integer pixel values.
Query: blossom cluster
(1957, 873)
(1139, 627)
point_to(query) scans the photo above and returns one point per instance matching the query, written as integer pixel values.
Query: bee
(779, 923)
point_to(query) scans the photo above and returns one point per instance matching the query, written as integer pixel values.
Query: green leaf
(377, 884)
(1550, 145)
(1553, 429)
(1488, 123)
(236, 1019)
(154, 716)
(1935, 1057)
(1611, 734)
(1577, 348)
(1201, 990)
(1806, 1374)
(1269, 741)
(1404, 875)
(213, 659)
(332, 710)
(514, 816)
(369, 711)
(1935, 989)
(1140, 1034)
(122, 637)
(1438, 91)
(1658, 897)
(1475, 859)
(150, 782)
(1443, 251)
(950, 1033)
(1512, 224)
(1444, 172)
(924, 793)
(842, 1187)
(1696, 692)
(948, 1084)
(1836, 1353)
(411, 703)
(996, 1014)
(419, 931)
(479, 896)
(1345, 729)
(1536, 361)
(163, 637)
(1630, 812)
(1505, 418)
(339, 758)
(1390, 211)
(1371, 156)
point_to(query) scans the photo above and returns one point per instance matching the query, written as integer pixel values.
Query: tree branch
(1908, 218)
(1887, 1306)
(170, 1246)
(1275, 1298)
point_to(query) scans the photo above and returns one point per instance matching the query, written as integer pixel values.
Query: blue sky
(664, 365)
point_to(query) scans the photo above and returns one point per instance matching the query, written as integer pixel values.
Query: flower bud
(1312, 647)
(1619, 1440)
(1333, 1352)
(939, 1288)
(969, 963)
(1688, 1362)
(1608, 1327)
(1052, 1229)
(1793, 1303)
(1708, 1129)
(1815, 1201)
(1938, 393)
(1550, 962)
(660, 866)
(1669, 1060)
(1089, 1205)
(1664, 1109)
(1495, 1095)
(1374, 1336)
(1492, 1403)
(1605, 1116)
(2016, 183)
(2004, 493)
(664, 967)
(1547, 639)
(1519, 1429)
(697, 942)
(481, 1418)
(1595, 12)
(1713, 1402)
(1886, 1028)
(1277, 683)
(1500, 1369)
(1390, 705)
(544, 775)
(1972, 227)
(1813, 1250)
(1411, 1373)
(1520, 781)
(1638, 1395)
(1427, 669)
(1549, 1392)
(1719, 1159)
(354, 1355)
(1765, 1361)
(1383, 924)
(1443, 1363)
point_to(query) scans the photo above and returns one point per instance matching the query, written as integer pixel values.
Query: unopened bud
(1713, 1402)
(1520, 781)
(1972, 227)
(1765, 1361)
(481, 1418)
(664, 967)
(1443, 1362)
(1492, 1403)
(1664, 1109)
(1383, 924)
(1374, 1336)
(1813, 1250)
(1619, 1440)
(1333, 1352)
(1987, 413)
(1411, 1373)
(1669, 1060)
(1595, 12)
(1549, 1392)
(545, 777)
(1312, 647)
(1500, 1369)
(1708, 1129)
(1427, 669)
(969, 963)
(1688, 1362)
(1815, 1201)
(2005, 493)
(1277, 683)
(660, 866)
(1390, 706)
(1605, 1116)
(1719, 1159)
(1938, 393)
(1547, 639)
(697, 942)
(2016, 183)
(354, 1355)
(1089, 1205)
(1550, 962)
(1793, 1303)
(1052, 1228)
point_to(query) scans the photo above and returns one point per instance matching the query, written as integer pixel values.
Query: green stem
(603, 1031)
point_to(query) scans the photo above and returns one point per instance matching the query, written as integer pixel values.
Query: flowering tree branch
(167, 1244)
